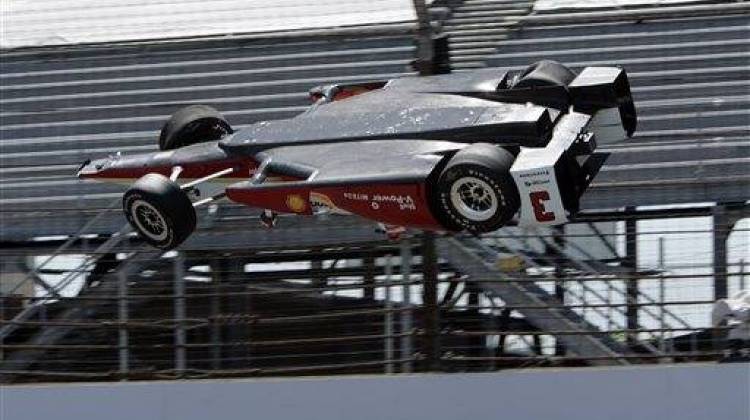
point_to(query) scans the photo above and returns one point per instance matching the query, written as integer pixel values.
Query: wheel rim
(149, 221)
(474, 199)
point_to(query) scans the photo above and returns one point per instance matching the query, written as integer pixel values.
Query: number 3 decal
(537, 202)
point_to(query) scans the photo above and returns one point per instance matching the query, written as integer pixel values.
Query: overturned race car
(466, 151)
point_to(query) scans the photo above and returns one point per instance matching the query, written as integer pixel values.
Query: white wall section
(55, 22)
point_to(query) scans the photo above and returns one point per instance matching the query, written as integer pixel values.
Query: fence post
(216, 277)
(368, 283)
(388, 319)
(631, 284)
(122, 318)
(721, 230)
(406, 312)
(179, 314)
(662, 295)
(430, 303)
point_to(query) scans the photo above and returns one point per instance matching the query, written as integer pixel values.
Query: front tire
(193, 124)
(475, 191)
(159, 211)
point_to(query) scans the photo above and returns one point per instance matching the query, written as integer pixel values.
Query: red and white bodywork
(445, 153)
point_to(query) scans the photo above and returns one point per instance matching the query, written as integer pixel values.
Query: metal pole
(742, 274)
(721, 232)
(122, 317)
(610, 308)
(179, 314)
(319, 279)
(430, 302)
(631, 284)
(662, 295)
(388, 327)
(235, 355)
(558, 238)
(425, 49)
(368, 291)
(406, 313)
(216, 276)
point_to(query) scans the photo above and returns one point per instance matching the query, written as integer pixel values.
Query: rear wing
(552, 179)
(598, 89)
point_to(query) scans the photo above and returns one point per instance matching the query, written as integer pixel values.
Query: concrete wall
(700, 392)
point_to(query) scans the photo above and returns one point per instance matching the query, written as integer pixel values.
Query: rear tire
(545, 73)
(475, 191)
(159, 211)
(191, 125)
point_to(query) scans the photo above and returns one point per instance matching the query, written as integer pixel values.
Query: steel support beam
(721, 228)
(631, 283)
(583, 339)
(51, 334)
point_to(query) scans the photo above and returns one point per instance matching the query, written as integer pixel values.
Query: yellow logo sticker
(296, 203)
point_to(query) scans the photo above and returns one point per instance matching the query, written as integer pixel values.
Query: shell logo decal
(296, 203)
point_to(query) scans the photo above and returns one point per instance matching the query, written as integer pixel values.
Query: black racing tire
(193, 124)
(475, 191)
(545, 73)
(159, 211)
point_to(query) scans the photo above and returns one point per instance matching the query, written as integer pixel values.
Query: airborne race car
(463, 151)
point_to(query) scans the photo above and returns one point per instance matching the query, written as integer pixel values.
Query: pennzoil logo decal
(323, 202)
(296, 203)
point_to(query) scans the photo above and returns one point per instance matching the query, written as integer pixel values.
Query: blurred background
(663, 234)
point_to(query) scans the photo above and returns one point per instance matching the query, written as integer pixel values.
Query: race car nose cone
(90, 168)
(80, 171)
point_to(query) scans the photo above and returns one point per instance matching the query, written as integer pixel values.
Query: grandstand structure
(84, 299)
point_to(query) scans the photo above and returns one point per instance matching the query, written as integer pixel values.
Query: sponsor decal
(535, 173)
(296, 203)
(536, 182)
(356, 197)
(322, 202)
(404, 202)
